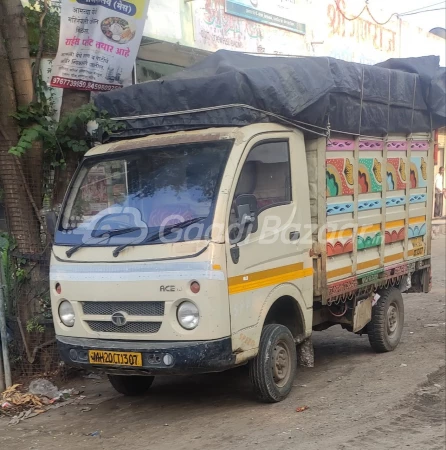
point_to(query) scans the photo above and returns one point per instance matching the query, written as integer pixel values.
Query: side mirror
(247, 221)
(51, 221)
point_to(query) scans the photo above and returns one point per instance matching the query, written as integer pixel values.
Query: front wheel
(387, 323)
(273, 370)
(131, 385)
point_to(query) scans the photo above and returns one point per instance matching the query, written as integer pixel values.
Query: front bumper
(188, 356)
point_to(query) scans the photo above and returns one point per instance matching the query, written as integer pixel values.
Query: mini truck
(197, 248)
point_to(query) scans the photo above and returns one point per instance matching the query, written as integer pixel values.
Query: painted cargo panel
(375, 207)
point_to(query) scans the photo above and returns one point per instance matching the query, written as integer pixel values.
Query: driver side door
(273, 170)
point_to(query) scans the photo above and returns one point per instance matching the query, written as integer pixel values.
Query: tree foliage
(51, 25)
(70, 134)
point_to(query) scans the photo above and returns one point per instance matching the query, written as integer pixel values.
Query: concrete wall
(203, 24)
(441, 159)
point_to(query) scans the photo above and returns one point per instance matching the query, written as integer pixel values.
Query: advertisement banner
(277, 13)
(214, 30)
(98, 43)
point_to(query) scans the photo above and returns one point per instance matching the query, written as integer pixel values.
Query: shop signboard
(277, 13)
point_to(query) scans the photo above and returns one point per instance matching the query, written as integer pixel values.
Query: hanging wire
(350, 18)
(408, 13)
(421, 9)
(419, 12)
(381, 23)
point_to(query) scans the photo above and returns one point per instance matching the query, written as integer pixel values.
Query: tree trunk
(71, 101)
(36, 68)
(15, 33)
(22, 220)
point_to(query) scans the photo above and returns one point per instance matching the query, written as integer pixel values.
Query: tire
(131, 386)
(387, 323)
(273, 370)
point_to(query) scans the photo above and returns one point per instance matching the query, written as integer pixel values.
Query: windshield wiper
(160, 234)
(108, 233)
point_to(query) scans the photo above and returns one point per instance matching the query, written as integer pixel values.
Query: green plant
(16, 274)
(69, 134)
(35, 120)
(6, 243)
(34, 325)
(45, 306)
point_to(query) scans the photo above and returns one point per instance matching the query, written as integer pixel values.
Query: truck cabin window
(139, 195)
(266, 174)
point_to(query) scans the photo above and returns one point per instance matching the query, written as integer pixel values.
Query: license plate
(418, 247)
(115, 358)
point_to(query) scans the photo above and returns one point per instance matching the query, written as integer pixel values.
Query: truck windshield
(139, 194)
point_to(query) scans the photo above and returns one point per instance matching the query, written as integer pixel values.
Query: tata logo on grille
(119, 319)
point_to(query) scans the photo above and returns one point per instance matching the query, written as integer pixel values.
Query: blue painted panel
(395, 201)
(417, 231)
(369, 204)
(418, 198)
(339, 208)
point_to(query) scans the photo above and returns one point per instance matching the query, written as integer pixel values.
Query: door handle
(294, 236)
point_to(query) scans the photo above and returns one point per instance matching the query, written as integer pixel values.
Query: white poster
(98, 43)
(214, 29)
(164, 20)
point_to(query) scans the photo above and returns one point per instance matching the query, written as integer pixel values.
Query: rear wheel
(273, 370)
(131, 385)
(387, 323)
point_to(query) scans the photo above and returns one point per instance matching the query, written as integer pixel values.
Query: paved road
(356, 399)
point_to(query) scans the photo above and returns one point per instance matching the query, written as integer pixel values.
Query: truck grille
(131, 327)
(130, 308)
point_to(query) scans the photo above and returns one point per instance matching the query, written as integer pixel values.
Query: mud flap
(362, 315)
(305, 353)
(406, 283)
(427, 280)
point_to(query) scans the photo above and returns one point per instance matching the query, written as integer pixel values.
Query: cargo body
(373, 198)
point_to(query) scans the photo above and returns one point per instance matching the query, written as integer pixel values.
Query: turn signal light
(58, 288)
(195, 287)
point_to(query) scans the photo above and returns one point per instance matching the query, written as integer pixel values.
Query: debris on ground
(43, 387)
(95, 434)
(302, 408)
(13, 398)
(93, 376)
(430, 392)
(42, 395)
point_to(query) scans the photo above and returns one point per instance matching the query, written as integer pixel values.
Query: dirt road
(356, 399)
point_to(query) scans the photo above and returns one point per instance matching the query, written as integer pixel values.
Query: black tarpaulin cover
(235, 89)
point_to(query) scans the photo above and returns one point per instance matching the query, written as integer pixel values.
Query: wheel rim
(281, 363)
(392, 319)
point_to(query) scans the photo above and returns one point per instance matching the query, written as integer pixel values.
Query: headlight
(66, 313)
(188, 315)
